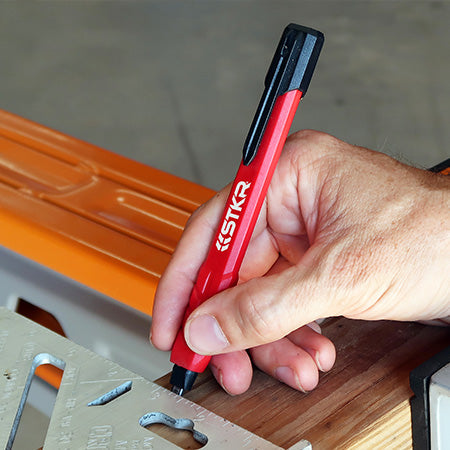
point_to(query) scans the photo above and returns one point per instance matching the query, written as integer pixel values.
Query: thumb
(256, 312)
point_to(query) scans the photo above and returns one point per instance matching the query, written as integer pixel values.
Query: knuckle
(254, 318)
(313, 138)
(310, 146)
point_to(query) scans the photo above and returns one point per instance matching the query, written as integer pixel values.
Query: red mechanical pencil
(286, 83)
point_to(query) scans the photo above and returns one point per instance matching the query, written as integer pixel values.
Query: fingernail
(287, 376)
(150, 335)
(204, 335)
(316, 356)
(317, 360)
(315, 326)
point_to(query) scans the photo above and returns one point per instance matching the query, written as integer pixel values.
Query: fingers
(320, 348)
(288, 363)
(294, 360)
(261, 254)
(176, 283)
(233, 371)
(258, 312)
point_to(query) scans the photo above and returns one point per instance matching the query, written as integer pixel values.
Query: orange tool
(98, 218)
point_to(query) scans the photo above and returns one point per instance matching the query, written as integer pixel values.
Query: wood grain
(393, 430)
(363, 402)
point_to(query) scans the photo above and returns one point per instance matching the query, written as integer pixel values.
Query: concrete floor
(174, 84)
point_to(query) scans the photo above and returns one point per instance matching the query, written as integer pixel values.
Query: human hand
(343, 231)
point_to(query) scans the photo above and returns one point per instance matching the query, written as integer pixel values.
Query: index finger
(177, 281)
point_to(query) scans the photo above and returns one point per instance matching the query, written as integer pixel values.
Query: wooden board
(363, 402)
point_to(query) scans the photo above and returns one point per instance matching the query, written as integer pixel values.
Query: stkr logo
(232, 216)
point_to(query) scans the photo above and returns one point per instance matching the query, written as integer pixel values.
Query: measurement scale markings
(107, 380)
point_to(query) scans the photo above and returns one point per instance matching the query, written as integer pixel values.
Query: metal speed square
(100, 405)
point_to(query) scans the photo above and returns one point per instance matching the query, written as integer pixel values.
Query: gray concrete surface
(175, 84)
(32, 430)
